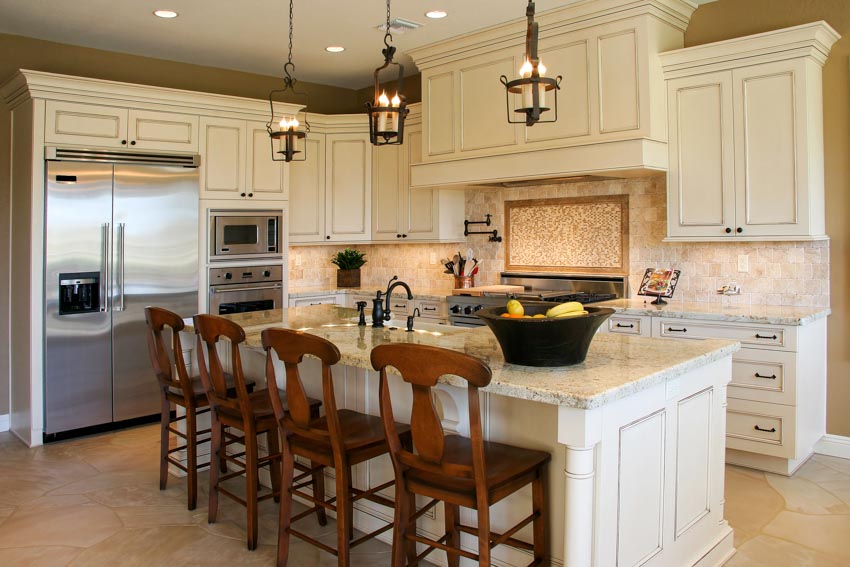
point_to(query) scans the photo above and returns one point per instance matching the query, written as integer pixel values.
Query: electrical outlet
(433, 258)
(298, 259)
(743, 263)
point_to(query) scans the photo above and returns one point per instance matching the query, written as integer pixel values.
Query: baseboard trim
(833, 446)
(4, 423)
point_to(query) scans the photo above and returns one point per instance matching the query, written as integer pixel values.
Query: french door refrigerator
(118, 237)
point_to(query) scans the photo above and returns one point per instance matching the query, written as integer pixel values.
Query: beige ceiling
(251, 35)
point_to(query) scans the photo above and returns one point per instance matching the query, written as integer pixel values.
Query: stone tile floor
(95, 502)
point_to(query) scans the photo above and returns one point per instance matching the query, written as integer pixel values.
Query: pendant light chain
(289, 67)
(388, 35)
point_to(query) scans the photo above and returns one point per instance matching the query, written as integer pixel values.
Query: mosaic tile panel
(584, 235)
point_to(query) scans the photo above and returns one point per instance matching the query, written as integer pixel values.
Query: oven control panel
(245, 274)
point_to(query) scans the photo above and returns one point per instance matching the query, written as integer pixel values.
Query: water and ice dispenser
(79, 292)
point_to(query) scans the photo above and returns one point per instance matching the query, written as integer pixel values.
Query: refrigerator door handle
(120, 306)
(104, 266)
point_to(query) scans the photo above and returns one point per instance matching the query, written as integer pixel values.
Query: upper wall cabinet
(611, 106)
(746, 137)
(116, 127)
(237, 161)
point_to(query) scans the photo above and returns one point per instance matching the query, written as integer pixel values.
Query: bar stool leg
(192, 457)
(452, 512)
(483, 531)
(274, 468)
(215, 467)
(164, 422)
(286, 475)
(251, 485)
(402, 524)
(343, 513)
(319, 492)
(538, 496)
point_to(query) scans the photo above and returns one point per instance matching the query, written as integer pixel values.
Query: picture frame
(660, 283)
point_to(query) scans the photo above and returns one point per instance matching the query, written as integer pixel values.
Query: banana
(567, 307)
(571, 314)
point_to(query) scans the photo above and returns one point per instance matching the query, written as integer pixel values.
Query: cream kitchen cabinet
(236, 161)
(611, 107)
(746, 137)
(318, 299)
(331, 191)
(401, 213)
(117, 127)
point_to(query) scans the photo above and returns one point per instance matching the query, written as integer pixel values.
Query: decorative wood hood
(612, 108)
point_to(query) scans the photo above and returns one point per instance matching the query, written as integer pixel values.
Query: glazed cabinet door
(770, 149)
(420, 213)
(166, 131)
(700, 182)
(223, 153)
(389, 177)
(85, 124)
(307, 193)
(348, 186)
(266, 178)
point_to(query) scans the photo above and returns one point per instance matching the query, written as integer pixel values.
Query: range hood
(612, 105)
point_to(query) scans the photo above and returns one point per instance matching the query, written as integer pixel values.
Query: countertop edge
(683, 313)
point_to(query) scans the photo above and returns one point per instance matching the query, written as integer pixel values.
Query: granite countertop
(767, 314)
(432, 294)
(616, 366)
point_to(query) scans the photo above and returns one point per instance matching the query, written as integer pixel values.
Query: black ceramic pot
(544, 342)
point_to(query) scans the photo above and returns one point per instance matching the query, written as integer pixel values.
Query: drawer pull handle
(629, 326)
(772, 377)
(773, 338)
(771, 430)
(673, 330)
(399, 306)
(319, 303)
(429, 308)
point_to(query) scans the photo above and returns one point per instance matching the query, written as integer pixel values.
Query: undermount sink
(418, 326)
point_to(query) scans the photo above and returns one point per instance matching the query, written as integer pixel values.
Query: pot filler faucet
(381, 313)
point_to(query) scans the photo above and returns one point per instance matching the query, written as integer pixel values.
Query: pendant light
(386, 116)
(289, 133)
(532, 85)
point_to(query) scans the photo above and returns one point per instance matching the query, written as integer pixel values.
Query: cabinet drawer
(399, 306)
(764, 376)
(759, 427)
(629, 325)
(761, 336)
(163, 131)
(72, 123)
(315, 300)
(432, 309)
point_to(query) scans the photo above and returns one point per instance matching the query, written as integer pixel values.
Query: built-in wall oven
(246, 288)
(245, 235)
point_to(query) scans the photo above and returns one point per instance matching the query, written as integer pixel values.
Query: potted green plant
(349, 262)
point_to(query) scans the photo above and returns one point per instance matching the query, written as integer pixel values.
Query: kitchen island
(636, 433)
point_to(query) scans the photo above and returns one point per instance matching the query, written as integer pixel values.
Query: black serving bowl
(544, 342)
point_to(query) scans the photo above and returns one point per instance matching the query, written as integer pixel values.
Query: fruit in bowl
(545, 335)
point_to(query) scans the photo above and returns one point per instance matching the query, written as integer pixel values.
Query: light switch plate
(298, 259)
(743, 263)
(433, 258)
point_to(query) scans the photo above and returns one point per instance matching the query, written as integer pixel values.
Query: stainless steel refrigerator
(121, 233)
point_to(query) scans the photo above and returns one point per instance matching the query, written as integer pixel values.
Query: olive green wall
(726, 19)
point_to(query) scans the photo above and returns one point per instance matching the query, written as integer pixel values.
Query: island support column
(580, 431)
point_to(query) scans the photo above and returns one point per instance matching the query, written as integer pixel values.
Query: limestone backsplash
(780, 273)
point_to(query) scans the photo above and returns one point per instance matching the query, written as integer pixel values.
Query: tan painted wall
(18, 52)
(726, 19)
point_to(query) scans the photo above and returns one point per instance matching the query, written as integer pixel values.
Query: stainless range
(539, 287)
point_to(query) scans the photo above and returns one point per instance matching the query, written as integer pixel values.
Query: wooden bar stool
(251, 413)
(339, 440)
(460, 471)
(184, 391)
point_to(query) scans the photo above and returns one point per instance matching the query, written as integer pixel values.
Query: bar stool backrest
(163, 358)
(421, 366)
(290, 348)
(210, 328)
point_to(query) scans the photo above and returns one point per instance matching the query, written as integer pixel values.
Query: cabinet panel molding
(619, 88)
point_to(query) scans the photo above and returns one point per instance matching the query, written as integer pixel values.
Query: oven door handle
(228, 289)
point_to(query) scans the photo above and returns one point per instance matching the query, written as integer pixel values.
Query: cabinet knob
(123, 142)
(404, 236)
(327, 238)
(133, 143)
(398, 236)
(739, 230)
(728, 230)
(250, 194)
(241, 194)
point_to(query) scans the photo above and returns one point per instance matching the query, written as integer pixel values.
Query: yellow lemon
(539, 316)
(514, 307)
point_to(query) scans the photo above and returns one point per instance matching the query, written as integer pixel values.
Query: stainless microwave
(243, 235)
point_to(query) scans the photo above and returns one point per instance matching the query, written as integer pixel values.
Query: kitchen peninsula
(636, 433)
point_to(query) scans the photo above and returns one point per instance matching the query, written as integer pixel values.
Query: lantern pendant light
(287, 130)
(386, 116)
(532, 85)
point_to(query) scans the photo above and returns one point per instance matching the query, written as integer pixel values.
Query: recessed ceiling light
(335, 49)
(167, 14)
(436, 14)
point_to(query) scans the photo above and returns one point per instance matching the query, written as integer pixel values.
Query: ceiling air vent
(400, 25)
